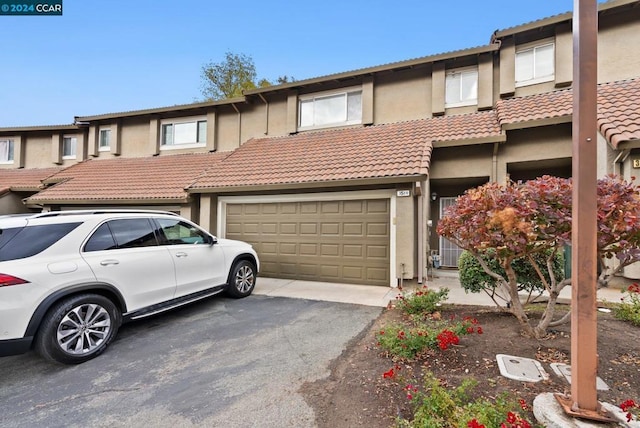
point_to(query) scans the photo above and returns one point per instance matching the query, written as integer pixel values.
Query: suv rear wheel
(78, 329)
(242, 279)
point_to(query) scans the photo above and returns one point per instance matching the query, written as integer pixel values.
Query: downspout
(239, 124)
(266, 114)
(494, 165)
(421, 223)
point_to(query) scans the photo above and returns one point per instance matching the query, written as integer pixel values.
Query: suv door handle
(181, 254)
(109, 262)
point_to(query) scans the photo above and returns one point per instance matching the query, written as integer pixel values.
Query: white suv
(68, 279)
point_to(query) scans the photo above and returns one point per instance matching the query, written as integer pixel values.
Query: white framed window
(461, 88)
(6, 151)
(69, 147)
(104, 140)
(330, 109)
(535, 64)
(183, 133)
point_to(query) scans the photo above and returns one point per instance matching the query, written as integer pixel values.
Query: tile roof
(123, 179)
(534, 108)
(393, 150)
(618, 109)
(23, 179)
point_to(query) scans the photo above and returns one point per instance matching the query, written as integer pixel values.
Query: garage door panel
(330, 229)
(377, 251)
(330, 250)
(339, 241)
(377, 229)
(375, 274)
(289, 229)
(267, 228)
(353, 229)
(309, 249)
(352, 250)
(309, 229)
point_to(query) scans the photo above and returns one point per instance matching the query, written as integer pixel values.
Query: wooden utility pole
(584, 355)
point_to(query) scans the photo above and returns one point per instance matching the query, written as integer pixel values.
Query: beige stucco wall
(400, 96)
(228, 131)
(11, 203)
(461, 161)
(534, 144)
(405, 221)
(37, 152)
(618, 46)
(134, 135)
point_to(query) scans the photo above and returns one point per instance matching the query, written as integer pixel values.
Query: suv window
(176, 232)
(22, 242)
(122, 233)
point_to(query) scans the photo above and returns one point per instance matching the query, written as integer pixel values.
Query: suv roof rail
(99, 211)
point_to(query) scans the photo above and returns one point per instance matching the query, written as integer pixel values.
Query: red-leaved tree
(519, 220)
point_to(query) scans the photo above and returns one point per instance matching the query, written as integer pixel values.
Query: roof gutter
(310, 185)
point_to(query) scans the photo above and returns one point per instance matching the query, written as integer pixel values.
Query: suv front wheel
(78, 329)
(242, 279)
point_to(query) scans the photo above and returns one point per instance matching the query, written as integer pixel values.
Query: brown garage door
(334, 241)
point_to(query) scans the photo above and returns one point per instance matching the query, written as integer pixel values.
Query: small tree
(522, 221)
(230, 77)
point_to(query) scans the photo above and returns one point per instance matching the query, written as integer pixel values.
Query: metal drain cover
(519, 368)
(564, 370)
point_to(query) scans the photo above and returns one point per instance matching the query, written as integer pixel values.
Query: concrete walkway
(371, 295)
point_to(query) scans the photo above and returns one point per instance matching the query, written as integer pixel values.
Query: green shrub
(423, 301)
(474, 279)
(629, 309)
(439, 407)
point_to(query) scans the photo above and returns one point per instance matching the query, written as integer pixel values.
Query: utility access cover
(519, 368)
(564, 370)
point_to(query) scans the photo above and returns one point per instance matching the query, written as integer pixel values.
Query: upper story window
(69, 147)
(330, 109)
(6, 151)
(535, 64)
(461, 88)
(104, 143)
(184, 132)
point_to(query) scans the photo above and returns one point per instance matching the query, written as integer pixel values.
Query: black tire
(72, 319)
(242, 279)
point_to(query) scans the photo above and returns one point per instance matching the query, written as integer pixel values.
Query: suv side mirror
(211, 240)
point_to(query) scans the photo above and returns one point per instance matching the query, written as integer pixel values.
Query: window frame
(200, 137)
(74, 140)
(461, 72)
(11, 152)
(107, 147)
(532, 47)
(328, 94)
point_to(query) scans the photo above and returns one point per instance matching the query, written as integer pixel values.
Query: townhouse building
(343, 178)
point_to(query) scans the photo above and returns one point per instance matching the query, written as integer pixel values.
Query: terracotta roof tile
(618, 109)
(392, 150)
(533, 108)
(25, 179)
(118, 179)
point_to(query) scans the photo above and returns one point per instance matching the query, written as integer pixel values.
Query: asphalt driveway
(219, 363)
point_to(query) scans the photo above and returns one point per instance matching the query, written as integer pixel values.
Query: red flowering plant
(409, 342)
(629, 308)
(630, 407)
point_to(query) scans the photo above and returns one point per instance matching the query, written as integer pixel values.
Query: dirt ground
(356, 394)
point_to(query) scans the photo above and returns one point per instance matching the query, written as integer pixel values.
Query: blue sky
(110, 56)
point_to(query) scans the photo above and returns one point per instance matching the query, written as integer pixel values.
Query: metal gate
(449, 252)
